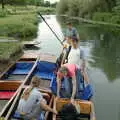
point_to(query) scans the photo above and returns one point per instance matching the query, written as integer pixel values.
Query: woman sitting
(32, 102)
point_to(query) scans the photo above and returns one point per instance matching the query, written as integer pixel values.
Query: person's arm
(63, 59)
(74, 86)
(85, 77)
(47, 108)
(82, 57)
(58, 86)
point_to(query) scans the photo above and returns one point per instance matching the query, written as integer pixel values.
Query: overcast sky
(52, 1)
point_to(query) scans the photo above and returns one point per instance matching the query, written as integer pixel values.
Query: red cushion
(6, 95)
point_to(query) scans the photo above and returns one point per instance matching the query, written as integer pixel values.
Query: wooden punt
(86, 108)
(45, 70)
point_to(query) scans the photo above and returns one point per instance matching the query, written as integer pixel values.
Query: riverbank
(91, 21)
(19, 26)
(9, 52)
(18, 23)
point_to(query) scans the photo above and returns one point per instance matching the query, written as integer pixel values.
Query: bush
(102, 17)
(115, 19)
(3, 13)
(46, 10)
(19, 26)
(9, 49)
(107, 17)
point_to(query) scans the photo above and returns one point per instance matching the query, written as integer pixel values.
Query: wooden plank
(54, 107)
(9, 85)
(43, 56)
(92, 115)
(50, 105)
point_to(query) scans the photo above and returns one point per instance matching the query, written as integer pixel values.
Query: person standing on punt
(76, 55)
(70, 31)
(32, 102)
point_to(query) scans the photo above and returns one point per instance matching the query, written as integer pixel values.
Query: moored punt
(86, 108)
(43, 56)
(29, 44)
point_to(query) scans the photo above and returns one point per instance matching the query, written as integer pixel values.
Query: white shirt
(26, 106)
(74, 57)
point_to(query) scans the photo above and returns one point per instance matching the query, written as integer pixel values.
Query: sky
(52, 1)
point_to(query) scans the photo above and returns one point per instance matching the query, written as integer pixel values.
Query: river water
(101, 46)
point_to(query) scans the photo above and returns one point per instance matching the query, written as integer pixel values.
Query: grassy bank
(20, 22)
(9, 50)
(18, 26)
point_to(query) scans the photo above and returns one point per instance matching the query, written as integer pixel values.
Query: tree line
(27, 2)
(87, 8)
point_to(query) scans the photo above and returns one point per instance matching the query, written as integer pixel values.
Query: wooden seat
(85, 106)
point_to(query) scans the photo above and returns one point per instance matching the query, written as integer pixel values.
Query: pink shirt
(71, 70)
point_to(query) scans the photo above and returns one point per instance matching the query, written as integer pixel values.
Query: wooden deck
(43, 56)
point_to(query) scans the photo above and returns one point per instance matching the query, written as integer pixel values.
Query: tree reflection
(106, 55)
(106, 46)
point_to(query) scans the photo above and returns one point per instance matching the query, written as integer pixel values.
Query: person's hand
(72, 101)
(57, 98)
(55, 112)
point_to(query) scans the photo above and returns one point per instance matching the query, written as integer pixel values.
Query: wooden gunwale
(89, 103)
(9, 85)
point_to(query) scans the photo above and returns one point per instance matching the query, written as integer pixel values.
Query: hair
(68, 112)
(63, 69)
(35, 82)
(74, 38)
(68, 23)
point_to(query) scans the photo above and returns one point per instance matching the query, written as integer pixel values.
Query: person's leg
(36, 113)
(66, 91)
(80, 83)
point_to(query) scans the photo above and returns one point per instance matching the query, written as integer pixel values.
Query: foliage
(62, 7)
(46, 10)
(20, 26)
(107, 17)
(3, 13)
(101, 10)
(8, 49)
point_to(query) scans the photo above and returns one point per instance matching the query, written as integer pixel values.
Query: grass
(9, 49)
(19, 26)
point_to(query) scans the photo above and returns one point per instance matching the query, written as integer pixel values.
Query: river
(101, 46)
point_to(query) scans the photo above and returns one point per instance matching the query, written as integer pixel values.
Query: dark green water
(101, 45)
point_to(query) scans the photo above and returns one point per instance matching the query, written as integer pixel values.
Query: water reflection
(105, 46)
(49, 42)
